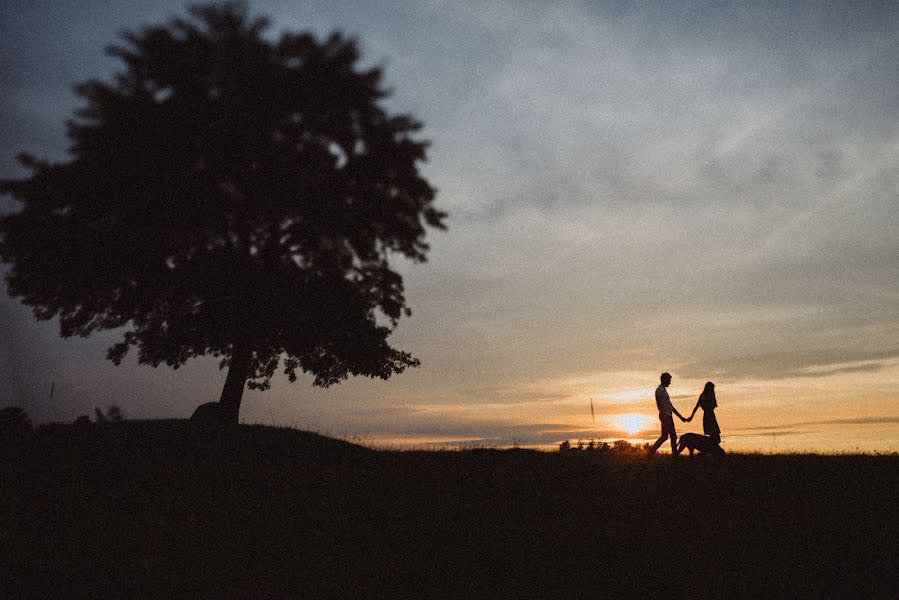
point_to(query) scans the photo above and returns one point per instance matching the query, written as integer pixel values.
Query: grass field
(140, 509)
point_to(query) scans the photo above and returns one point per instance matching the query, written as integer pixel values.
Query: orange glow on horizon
(631, 423)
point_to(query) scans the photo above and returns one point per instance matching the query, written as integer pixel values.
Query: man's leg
(668, 431)
(658, 443)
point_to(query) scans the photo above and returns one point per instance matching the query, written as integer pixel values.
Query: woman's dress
(710, 425)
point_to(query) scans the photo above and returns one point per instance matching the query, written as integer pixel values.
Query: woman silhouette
(708, 403)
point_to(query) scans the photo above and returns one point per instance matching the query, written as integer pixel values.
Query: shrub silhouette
(113, 415)
(232, 196)
(208, 420)
(15, 425)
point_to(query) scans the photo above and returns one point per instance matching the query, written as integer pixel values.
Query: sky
(705, 188)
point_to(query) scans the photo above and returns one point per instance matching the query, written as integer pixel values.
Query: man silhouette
(663, 402)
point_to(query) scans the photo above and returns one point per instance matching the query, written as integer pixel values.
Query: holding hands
(683, 418)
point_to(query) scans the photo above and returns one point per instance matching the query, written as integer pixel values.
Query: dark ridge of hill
(166, 439)
(144, 509)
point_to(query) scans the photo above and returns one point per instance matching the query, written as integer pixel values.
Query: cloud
(810, 364)
(884, 420)
(626, 187)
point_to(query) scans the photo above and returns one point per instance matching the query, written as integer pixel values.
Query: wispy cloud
(847, 421)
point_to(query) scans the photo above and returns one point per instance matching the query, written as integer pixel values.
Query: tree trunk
(235, 383)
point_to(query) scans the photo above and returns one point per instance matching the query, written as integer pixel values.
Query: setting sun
(631, 422)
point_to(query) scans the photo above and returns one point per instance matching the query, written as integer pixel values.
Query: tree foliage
(229, 195)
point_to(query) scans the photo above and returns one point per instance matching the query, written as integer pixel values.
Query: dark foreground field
(138, 509)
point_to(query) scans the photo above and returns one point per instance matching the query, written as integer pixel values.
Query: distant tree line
(619, 447)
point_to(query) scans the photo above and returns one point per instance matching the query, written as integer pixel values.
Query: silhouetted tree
(114, 414)
(233, 196)
(15, 425)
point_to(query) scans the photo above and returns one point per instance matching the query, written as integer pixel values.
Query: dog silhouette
(700, 443)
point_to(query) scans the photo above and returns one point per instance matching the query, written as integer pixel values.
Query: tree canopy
(230, 195)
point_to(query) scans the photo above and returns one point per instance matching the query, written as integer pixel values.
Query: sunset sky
(709, 189)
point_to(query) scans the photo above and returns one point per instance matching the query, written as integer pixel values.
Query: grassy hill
(142, 509)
